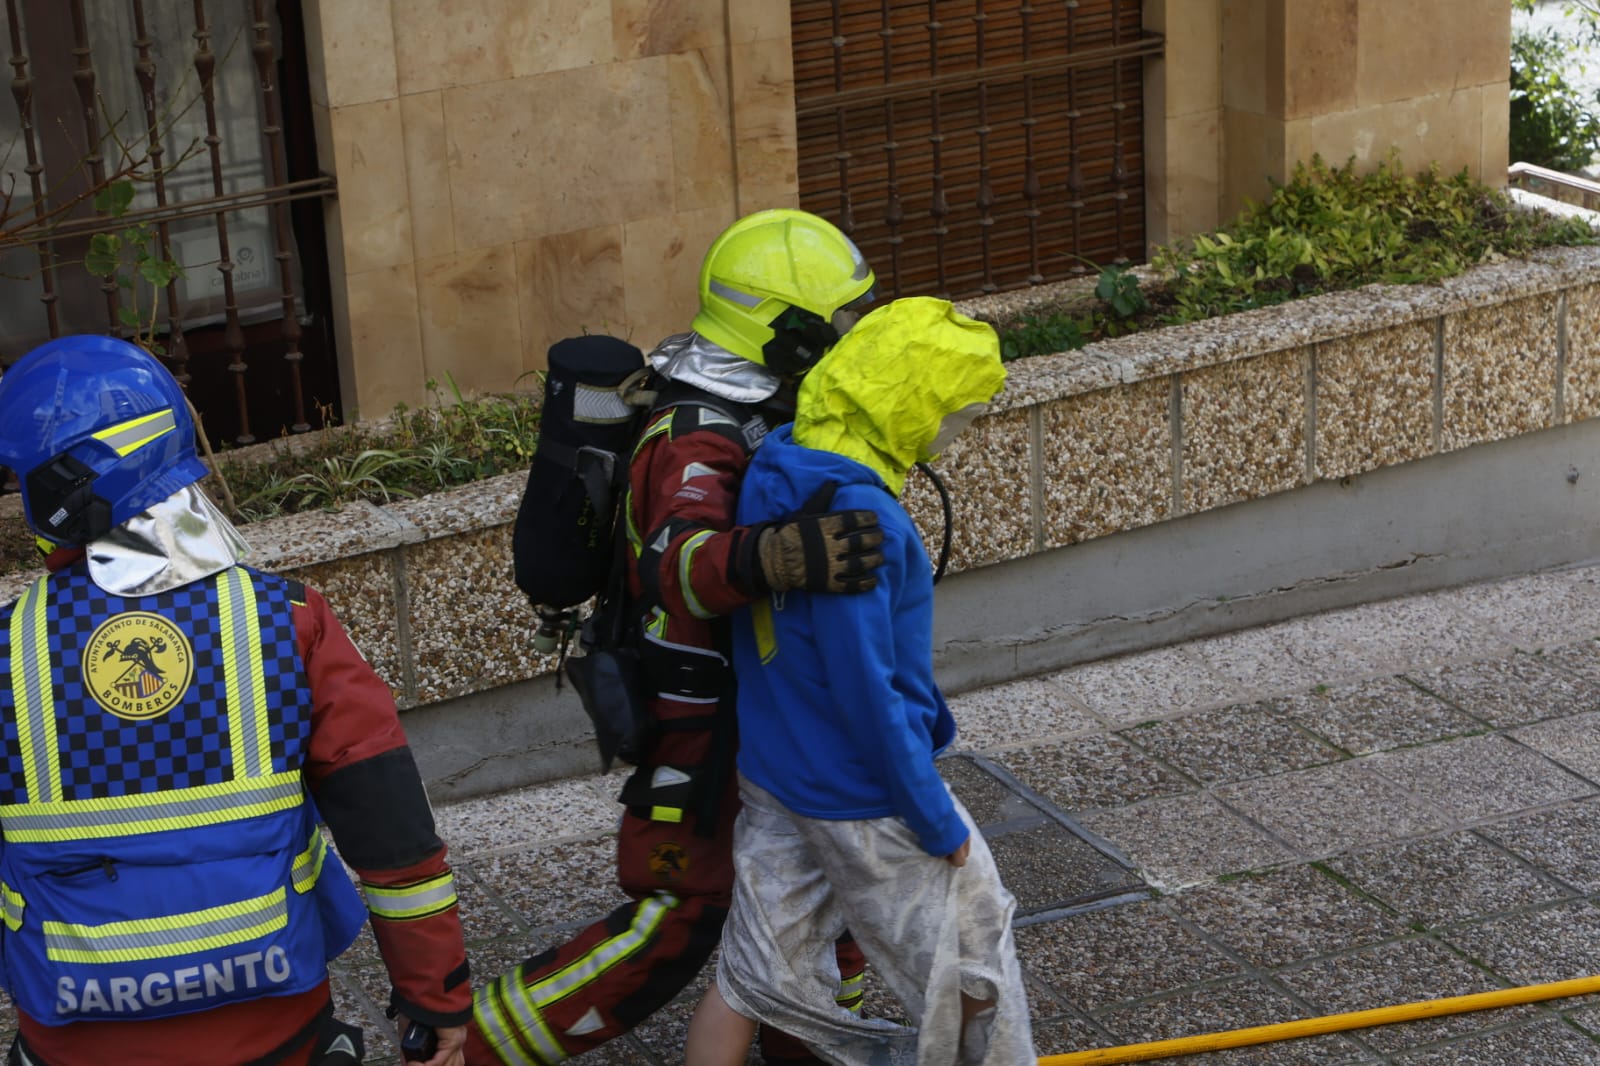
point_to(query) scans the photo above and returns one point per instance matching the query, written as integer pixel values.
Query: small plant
(1118, 289)
(1033, 335)
(375, 474)
(132, 258)
(414, 452)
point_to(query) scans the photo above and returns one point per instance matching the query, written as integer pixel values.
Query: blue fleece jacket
(839, 716)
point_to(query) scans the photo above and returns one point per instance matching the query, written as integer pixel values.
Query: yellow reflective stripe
(605, 954)
(657, 626)
(308, 864)
(508, 1008)
(500, 1030)
(766, 636)
(128, 437)
(11, 907)
(248, 731)
(158, 938)
(666, 814)
(661, 425)
(226, 801)
(34, 695)
(409, 902)
(685, 561)
(851, 991)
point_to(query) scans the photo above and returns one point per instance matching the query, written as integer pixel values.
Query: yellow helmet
(779, 287)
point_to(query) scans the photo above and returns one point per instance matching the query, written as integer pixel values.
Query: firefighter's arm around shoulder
(369, 793)
(696, 562)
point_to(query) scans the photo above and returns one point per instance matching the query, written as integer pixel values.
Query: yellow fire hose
(1328, 1023)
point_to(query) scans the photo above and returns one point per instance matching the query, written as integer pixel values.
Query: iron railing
(194, 116)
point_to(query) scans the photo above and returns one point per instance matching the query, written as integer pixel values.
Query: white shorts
(931, 930)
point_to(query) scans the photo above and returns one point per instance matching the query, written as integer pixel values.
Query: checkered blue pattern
(102, 755)
(286, 691)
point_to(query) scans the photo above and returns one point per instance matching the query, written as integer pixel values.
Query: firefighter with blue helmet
(176, 725)
(776, 290)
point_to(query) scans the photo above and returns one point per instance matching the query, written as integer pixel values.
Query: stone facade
(512, 172)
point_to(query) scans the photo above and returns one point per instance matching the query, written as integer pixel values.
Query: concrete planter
(1123, 438)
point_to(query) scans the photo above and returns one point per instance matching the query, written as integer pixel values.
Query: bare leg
(718, 1035)
(975, 1037)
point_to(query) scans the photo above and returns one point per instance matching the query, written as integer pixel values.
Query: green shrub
(415, 452)
(1553, 124)
(1327, 228)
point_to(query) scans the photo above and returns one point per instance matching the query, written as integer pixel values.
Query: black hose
(944, 501)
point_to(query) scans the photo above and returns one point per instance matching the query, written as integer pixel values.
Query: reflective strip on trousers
(852, 988)
(174, 935)
(409, 902)
(507, 1036)
(228, 801)
(523, 1002)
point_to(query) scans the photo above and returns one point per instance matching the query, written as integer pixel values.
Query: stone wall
(1121, 435)
(512, 173)
(1131, 453)
(1249, 87)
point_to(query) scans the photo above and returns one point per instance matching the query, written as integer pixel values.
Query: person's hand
(958, 857)
(451, 1049)
(835, 551)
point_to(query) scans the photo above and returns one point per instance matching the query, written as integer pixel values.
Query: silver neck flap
(690, 358)
(181, 539)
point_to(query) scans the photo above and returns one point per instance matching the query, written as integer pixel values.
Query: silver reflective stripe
(242, 634)
(590, 404)
(155, 938)
(605, 955)
(744, 299)
(206, 805)
(414, 901)
(11, 907)
(33, 694)
(308, 864)
(129, 436)
(525, 1021)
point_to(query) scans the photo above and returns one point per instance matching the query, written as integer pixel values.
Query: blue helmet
(96, 431)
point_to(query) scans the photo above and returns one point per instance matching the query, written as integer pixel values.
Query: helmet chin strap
(799, 339)
(62, 503)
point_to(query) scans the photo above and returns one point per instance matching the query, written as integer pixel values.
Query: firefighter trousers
(621, 969)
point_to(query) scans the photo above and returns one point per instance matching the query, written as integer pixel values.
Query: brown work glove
(835, 551)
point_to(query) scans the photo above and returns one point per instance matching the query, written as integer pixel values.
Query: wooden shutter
(970, 146)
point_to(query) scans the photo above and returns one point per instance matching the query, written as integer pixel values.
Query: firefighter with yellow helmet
(176, 724)
(777, 289)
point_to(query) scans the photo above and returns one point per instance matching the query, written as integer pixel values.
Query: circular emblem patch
(138, 665)
(668, 861)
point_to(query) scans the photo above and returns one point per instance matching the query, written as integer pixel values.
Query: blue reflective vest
(161, 854)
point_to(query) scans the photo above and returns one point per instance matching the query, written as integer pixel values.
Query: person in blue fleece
(846, 822)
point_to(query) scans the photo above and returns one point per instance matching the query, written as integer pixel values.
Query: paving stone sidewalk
(1365, 807)
(1388, 803)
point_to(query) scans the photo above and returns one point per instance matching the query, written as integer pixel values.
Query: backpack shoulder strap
(743, 424)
